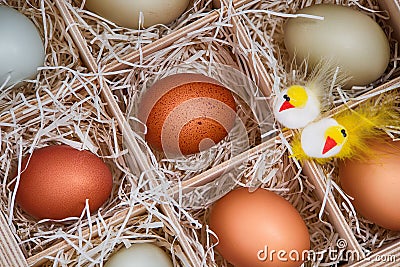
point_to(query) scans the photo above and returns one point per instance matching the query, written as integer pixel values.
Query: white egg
(140, 255)
(126, 13)
(21, 47)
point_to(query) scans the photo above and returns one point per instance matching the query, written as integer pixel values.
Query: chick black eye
(286, 97)
(343, 131)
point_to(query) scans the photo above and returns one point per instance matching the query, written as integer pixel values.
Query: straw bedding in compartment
(152, 227)
(62, 60)
(209, 51)
(109, 42)
(78, 120)
(272, 170)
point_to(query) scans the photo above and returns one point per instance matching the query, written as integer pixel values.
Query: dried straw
(109, 42)
(60, 114)
(80, 121)
(368, 234)
(78, 118)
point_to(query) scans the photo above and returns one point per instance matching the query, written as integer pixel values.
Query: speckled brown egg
(57, 180)
(186, 113)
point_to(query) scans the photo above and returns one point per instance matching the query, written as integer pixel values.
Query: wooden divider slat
(77, 36)
(215, 172)
(335, 215)
(10, 252)
(333, 211)
(264, 81)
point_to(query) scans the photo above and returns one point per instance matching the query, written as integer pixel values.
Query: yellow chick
(323, 139)
(299, 105)
(296, 106)
(347, 134)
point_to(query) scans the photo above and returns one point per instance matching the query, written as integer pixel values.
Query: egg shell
(21, 47)
(140, 255)
(246, 223)
(126, 13)
(57, 180)
(375, 184)
(186, 113)
(353, 40)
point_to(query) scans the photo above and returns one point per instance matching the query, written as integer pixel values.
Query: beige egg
(186, 113)
(353, 40)
(254, 227)
(126, 13)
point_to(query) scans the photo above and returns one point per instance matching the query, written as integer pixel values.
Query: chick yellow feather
(359, 127)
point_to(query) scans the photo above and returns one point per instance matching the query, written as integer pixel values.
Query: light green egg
(21, 47)
(350, 38)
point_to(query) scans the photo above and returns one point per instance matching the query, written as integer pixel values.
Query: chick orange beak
(329, 144)
(286, 105)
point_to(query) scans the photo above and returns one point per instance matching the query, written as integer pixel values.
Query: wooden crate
(100, 69)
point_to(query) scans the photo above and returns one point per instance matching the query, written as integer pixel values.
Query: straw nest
(264, 22)
(78, 119)
(67, 109)
(273, 170)
(212, 51)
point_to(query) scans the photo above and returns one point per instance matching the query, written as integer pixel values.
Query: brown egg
(375, 184)
(253, 228)
(186, 113)
(58, 179)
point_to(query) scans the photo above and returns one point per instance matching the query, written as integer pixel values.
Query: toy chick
(347, 134)
(298, 105)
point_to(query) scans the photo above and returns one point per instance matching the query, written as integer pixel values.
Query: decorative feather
(363, 124)
(325, 76)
